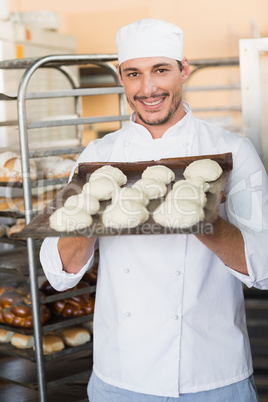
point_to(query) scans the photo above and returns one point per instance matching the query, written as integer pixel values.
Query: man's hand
(227, 243)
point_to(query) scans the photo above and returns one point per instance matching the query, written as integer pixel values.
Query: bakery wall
(212, 29)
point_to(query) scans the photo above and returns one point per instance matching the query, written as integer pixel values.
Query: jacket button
(127, 314)
(126, 270)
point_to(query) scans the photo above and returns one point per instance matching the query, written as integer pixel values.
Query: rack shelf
(23, 261)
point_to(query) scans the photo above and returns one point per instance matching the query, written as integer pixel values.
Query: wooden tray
(39, 226)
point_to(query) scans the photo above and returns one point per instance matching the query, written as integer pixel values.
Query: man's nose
(149, 85)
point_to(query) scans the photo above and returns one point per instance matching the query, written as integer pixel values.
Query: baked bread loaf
(1, 316)
(76, 306)
(52, 343)
(8, 298)
(75, 336)
(5, 203)
(10, 168)
(21, 288)
(7, 288)
(16, 307)
(52, 167)
(5, 335)
(20, 315)
(48, 289)
(11, 204)
(39, 201)
(5, 156)
(22, 341)
(17, 227)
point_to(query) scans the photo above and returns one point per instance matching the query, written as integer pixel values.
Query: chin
(154, 121)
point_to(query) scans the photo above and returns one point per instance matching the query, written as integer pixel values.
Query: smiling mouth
(153, 103)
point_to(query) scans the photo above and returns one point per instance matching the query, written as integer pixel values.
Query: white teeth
(153, 103)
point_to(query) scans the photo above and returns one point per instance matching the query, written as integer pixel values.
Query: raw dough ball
(159, 173)
(132, 194)
(152, 188)
(195, 181)
(126, 214)
(208, 169)
(82, 202)
(178, 214)
(110, 171)
(185, 190)
(102, 188)
(63, 220)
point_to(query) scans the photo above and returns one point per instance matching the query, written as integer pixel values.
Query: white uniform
(169, 315)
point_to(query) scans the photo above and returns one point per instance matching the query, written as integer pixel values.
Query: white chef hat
(149, 38)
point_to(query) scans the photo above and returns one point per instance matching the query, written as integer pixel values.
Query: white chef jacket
(169, 315)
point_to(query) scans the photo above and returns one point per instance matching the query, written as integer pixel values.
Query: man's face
(153, 87)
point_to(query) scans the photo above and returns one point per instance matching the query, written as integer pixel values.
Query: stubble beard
(176, 101)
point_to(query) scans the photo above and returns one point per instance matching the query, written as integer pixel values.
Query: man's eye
(161, 70)
(133, 74)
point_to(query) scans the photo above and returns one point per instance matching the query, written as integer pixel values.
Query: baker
(169, 322)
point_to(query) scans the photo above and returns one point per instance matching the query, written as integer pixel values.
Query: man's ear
(185, 69)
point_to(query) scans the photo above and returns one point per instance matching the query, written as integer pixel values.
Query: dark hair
(179, 63)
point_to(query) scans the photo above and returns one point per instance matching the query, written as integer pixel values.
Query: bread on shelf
(16, 307)
(75, 306)
(5, 335)
(53, 167)
(52, 343)
(75, 336)
(20, 315)
(39, 201)
(22, 341)
(11, 169)
(17, 227)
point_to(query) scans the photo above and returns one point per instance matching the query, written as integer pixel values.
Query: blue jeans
(242, 391)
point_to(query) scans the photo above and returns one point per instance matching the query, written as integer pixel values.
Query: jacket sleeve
(52, 266)
(247, 208)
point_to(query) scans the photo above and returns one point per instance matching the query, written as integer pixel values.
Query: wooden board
(39, 226)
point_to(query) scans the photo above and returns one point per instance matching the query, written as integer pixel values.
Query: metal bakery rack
(11, 259)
